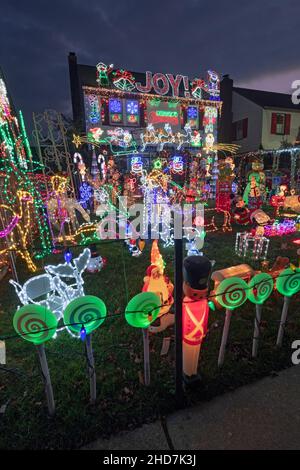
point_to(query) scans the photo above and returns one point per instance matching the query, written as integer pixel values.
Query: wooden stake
(146, 356)
(258, 310)
(47, 379)
(91, 368)
(283, 320)
(224, 337)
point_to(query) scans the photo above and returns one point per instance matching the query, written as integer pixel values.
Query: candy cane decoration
(81, 165)
(260, 289)
(101, 161)
(231, 293)
(288, 284)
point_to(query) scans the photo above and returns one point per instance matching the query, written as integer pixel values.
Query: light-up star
(76, 140)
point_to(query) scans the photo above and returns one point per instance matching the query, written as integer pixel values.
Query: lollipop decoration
(82, 316)
(140, 312)
(37, 324)
(288, 284)
(231, 294)
(260, 289)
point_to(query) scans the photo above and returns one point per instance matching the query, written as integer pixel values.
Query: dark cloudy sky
(255, 41)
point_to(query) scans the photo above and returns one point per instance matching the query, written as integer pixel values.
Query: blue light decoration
(115, 105)
(86, 193)
(68, 255)
(115, 111)
(94, 115)
(82, 333)
(132, 111)
(193, 116)
(132, 107)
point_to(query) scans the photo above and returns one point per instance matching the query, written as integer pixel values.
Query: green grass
(123, 402)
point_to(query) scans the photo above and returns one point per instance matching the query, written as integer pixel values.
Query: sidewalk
(264, 415)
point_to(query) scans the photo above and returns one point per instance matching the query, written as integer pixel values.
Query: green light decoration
(288, 282)
(231, 293)
(142, 309)
(157, 164)
(88, 311)
(35, 323)
(260, 288)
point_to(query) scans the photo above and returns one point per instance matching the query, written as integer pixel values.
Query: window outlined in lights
(132, 110)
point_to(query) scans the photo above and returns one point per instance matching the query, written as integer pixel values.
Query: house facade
(260, 120)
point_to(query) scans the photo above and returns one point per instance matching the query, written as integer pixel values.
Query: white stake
(283, 320)
(146, 356)
(224, 337)
(258, 310)
(47, 379)
(91, 368)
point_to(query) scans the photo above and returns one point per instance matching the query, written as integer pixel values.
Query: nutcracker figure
(196, 274)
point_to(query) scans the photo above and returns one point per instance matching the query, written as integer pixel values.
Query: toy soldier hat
(196, 271)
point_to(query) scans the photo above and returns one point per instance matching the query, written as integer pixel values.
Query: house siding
(274, 141)
(243, 108)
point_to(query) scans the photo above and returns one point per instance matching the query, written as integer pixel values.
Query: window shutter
(273, 123)
(234, 131)
(245, 128)
(287, 124)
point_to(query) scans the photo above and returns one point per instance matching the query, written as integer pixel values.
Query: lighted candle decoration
(140, 312)
(231, 294)
(82, 316)
(260, 289)
(288, 284)
(37, 324)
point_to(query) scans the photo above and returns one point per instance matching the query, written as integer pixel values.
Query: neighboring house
(259, 119)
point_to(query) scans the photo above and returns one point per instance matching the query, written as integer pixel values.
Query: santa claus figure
(196, 273)
(156, 281)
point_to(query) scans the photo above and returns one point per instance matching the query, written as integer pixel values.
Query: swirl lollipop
(231, 293)
(260, 288)
(35, 323)
(140, 312)
(88, 311)
(288, 284)
(142, 309)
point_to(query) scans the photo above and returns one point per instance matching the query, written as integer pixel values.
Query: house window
(280, 124)
(240, 129)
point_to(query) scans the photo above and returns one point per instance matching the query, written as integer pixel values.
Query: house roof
(268, 99)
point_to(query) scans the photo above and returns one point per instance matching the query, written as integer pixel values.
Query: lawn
(123, 401)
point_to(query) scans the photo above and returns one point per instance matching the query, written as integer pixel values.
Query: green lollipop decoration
(140, 312)
(288, 284)
(88, 311)
(35, 323)
(142, 309)
(231, 294)
(260, 289)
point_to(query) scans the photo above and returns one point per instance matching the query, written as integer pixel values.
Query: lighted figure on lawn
(156, 281)
(239, 211)
(252, 194)
(196, 273)
(17, 230)
(62, 209)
